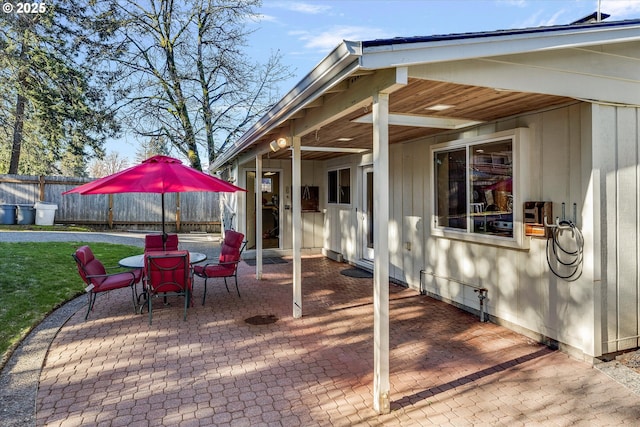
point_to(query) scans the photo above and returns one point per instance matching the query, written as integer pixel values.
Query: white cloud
(330, 38)
(261, 17)
(266, 18)
(620, 9)
(312, 9)
(552, 20)
(518, 3)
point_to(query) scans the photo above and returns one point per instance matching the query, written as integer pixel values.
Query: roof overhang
(339, 64)
(494, 74)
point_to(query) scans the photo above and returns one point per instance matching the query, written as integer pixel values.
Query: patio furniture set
(163, 269)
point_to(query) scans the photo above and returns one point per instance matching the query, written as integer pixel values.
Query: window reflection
(492, 188)
(486, 172)
(451, 188)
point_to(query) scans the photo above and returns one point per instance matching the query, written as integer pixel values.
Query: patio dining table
(137, 261)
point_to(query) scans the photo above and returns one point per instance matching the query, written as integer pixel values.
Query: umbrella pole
(164, 235)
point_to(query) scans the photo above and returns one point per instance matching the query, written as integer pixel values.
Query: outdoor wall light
(275, 145)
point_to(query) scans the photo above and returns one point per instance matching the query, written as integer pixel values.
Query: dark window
(339, 186)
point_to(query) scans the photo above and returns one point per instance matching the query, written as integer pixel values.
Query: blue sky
(306, 31)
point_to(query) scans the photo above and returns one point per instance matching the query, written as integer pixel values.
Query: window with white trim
(339, 186)
(474, 188)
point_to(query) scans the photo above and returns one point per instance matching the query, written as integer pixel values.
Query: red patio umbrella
(157, 174)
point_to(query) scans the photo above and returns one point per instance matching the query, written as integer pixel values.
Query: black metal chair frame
(234, 275)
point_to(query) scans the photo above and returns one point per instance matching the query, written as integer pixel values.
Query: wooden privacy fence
(184, 212)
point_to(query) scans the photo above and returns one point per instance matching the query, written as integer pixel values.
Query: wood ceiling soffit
(340, 104)
(323, 126)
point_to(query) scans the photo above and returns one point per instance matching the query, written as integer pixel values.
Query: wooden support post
(381, 400)
(296, 205)
(258, 227)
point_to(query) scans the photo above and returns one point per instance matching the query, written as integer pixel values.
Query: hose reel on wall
(565, 247)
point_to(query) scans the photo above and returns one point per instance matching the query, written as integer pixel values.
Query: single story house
(498, 171)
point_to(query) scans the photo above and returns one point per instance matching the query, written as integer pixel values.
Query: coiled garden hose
(569, 255)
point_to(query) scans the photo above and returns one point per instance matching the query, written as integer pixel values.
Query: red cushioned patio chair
(153, 242)
(167, 273)
(95, 275)
(227, 266)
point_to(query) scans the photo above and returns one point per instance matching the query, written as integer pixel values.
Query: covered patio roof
(480, 76)
(370, 95)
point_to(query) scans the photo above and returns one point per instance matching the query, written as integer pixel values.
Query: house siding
(521, 290)
(616, 140)
(582, 154)
(313, 174)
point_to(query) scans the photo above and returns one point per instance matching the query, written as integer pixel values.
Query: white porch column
(296, 206)
(381, 260)
(258, 191)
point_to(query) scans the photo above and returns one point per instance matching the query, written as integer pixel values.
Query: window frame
(339, 201)
(519, 142)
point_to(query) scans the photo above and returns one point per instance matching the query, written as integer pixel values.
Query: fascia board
(341, 62)
(405, 54)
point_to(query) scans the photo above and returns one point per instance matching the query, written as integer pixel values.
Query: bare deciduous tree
(111, 164)
(189, 80)
(152, 147)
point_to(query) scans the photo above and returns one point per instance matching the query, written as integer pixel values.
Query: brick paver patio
(447, 368)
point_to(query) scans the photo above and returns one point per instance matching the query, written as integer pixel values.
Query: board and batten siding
(616, 157)
(579, 154)
(522, 293)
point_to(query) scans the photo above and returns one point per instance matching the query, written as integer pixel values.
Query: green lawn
(36, 278)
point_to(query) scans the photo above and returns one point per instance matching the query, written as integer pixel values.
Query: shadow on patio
(218, 369)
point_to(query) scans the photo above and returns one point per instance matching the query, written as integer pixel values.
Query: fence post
(110, 216)
(41, 184)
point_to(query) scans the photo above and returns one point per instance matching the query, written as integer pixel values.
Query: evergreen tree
(54, 94)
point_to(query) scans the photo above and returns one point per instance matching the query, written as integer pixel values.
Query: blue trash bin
(7, 214)
(25, 214)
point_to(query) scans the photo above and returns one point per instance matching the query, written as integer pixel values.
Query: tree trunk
(17, 135)
(19, 118)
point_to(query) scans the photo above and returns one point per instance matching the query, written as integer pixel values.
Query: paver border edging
(20, 375)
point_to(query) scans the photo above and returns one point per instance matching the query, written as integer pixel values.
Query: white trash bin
(45, 213)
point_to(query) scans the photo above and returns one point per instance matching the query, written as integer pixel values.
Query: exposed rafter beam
(415, 120)
(334, 149)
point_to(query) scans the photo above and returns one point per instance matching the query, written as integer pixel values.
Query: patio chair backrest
(153, 242)
(168, 271)
(88, 265)
(231, 246)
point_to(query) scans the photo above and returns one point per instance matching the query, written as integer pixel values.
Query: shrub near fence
(184, 212)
